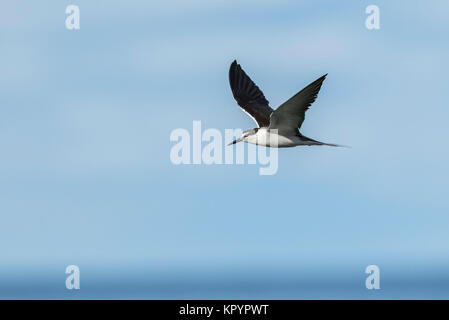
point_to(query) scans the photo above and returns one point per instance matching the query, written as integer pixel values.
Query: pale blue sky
(86, 179)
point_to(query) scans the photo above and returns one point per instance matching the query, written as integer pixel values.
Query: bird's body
(277, 128)
(269, 138)
(272, 138)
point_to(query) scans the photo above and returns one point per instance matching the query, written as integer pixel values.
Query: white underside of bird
(272, 138)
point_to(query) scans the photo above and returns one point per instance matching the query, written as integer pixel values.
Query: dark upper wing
(249, 96)
(290, 115)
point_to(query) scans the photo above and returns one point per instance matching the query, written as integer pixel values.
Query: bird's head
(245, 135)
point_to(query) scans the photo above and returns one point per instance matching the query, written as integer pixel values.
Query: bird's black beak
(235, 141)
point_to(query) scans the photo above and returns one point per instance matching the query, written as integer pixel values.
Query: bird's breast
(269, 139)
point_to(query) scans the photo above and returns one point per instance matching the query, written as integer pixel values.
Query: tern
(277, 128)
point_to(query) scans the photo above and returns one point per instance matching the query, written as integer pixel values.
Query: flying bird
(276, 128)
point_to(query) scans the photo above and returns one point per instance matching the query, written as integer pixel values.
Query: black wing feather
(291, 114)
(248, 96)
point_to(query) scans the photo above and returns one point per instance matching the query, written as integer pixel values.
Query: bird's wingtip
(232, 70)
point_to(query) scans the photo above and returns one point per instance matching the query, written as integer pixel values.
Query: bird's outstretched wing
(249, 97)
(289, 117)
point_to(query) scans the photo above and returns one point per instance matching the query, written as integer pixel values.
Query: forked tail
(334, 145)
(319, 143)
